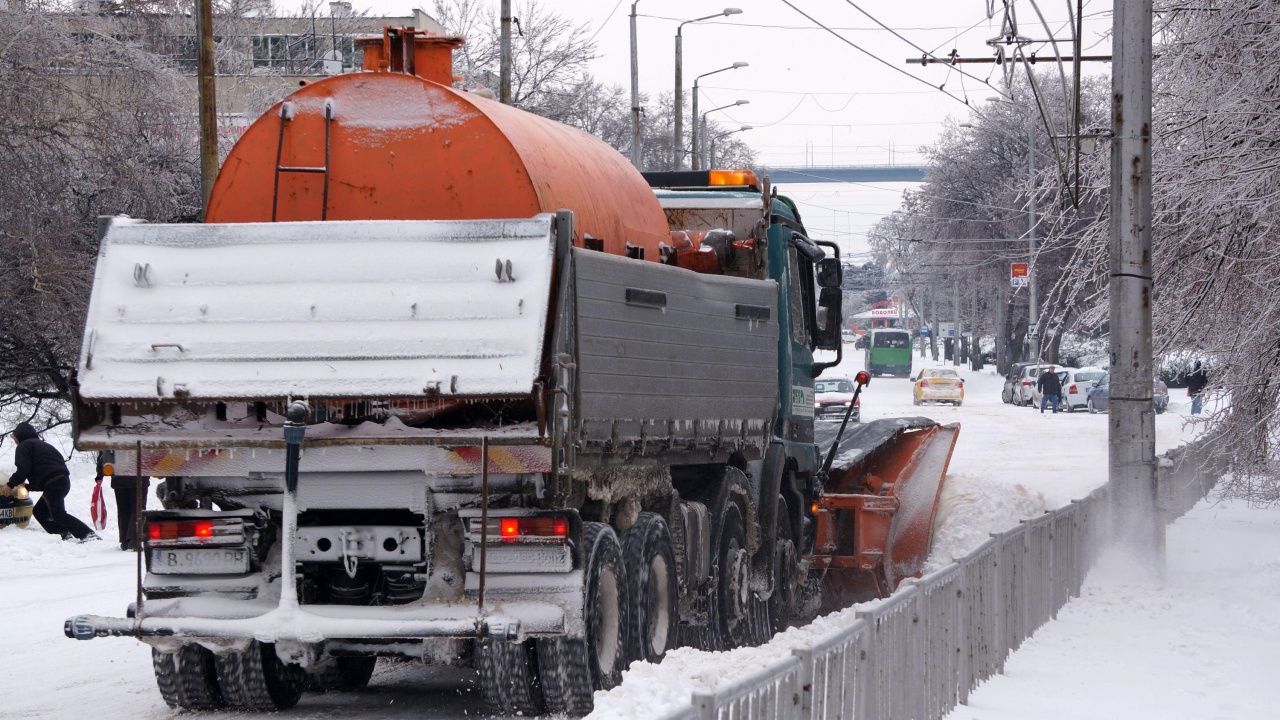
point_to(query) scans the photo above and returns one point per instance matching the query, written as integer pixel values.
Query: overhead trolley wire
(887, 64)
(900, 36)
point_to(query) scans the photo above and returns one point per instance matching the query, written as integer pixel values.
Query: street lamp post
(693, 135)
(678, 148)
(711, 153)
(636, 158)
(700, 126)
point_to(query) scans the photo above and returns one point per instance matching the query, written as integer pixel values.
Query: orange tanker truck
(441, 378)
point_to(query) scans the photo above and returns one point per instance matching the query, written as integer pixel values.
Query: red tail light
(923, 383)
(960, 383)
(516, 529)
(180, 530)
(1071, 390)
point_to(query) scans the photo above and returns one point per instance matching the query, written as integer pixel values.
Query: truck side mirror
(830, 273)
(827, 334)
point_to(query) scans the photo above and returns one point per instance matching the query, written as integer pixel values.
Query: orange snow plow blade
(875, 520)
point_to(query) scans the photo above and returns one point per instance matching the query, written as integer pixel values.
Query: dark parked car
(1101, 392)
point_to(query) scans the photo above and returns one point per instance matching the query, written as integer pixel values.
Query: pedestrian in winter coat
(1050, 388)
(1195, 387)
(126, 488)
(41, 467)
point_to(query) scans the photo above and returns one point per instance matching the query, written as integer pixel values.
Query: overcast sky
(815, 99)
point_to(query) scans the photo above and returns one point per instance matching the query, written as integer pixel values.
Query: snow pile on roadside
(971, 509)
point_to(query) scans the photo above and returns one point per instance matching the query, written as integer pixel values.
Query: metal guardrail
(918, 653)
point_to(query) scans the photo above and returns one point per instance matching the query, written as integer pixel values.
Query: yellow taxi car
(937, 385)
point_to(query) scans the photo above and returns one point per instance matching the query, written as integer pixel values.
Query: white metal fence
(917, 654)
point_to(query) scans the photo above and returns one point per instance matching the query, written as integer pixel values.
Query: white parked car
(1075, 391)
(1025, 384)
(1063, 373)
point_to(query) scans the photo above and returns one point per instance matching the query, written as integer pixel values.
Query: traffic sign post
(1019, 274)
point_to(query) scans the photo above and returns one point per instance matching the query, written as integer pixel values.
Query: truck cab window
(801, 298)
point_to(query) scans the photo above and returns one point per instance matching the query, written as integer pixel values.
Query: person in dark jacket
(1196, 382)
(41, 467)
(1050, 388)
(126, 489)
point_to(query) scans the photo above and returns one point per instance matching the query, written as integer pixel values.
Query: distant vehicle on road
(1100, 394)
(848, 336)
(889, 353)
(938, 385)
(831, 396)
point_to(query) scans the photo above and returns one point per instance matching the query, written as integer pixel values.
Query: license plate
(199, 561)
(6, 513)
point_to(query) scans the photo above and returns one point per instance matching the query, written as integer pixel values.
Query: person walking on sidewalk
(1050, 388)
(1195, 387)
(41, 467)
(125, 488)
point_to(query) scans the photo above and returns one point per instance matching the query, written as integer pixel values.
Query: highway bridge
(846, 173)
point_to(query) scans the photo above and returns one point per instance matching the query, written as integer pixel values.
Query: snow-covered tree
(91, 126)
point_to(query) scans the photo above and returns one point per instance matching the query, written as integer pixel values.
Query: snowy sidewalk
(1204, 644)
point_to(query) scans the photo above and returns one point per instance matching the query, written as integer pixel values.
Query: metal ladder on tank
(286, 115)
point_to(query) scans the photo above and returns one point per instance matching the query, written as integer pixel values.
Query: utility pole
(504, 73)
(678, 150)
(955, 325)
(1033, 296)
(637, 158)
(208, 91)
(1131, 429)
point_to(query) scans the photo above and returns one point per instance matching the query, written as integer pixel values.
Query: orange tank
(398, 142)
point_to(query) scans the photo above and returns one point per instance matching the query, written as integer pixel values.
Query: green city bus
(889, 352)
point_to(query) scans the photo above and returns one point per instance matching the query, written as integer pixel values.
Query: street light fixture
(701, 127)
(693, 140)
(679, 136)
(711, 144)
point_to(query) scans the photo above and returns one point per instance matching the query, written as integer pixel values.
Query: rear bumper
(508, 620)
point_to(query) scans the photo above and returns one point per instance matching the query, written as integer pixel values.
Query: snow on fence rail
(919, 652)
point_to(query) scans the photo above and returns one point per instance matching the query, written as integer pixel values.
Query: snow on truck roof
(321, 309)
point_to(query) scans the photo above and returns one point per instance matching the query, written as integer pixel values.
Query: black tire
(786, 559)
(1092, 410)
(652, 592)
(257, 680)
(732, 590)
(187, 678)
(343, 674)
(509, 681)
(572, 669)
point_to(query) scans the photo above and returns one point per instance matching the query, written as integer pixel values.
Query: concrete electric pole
(1131, 435)
(636, 155)
(504, 72)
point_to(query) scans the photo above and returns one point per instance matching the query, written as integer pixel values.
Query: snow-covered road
(1010, 463)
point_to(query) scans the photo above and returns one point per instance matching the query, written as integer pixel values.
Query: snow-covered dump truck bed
(190, 327)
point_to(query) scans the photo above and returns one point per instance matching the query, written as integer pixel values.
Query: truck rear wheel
(651, 588)
(572, 669)
(509, 677)
(734, 598)
(343, 674)
(258, 680)
(187, 678)
(786, 563)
